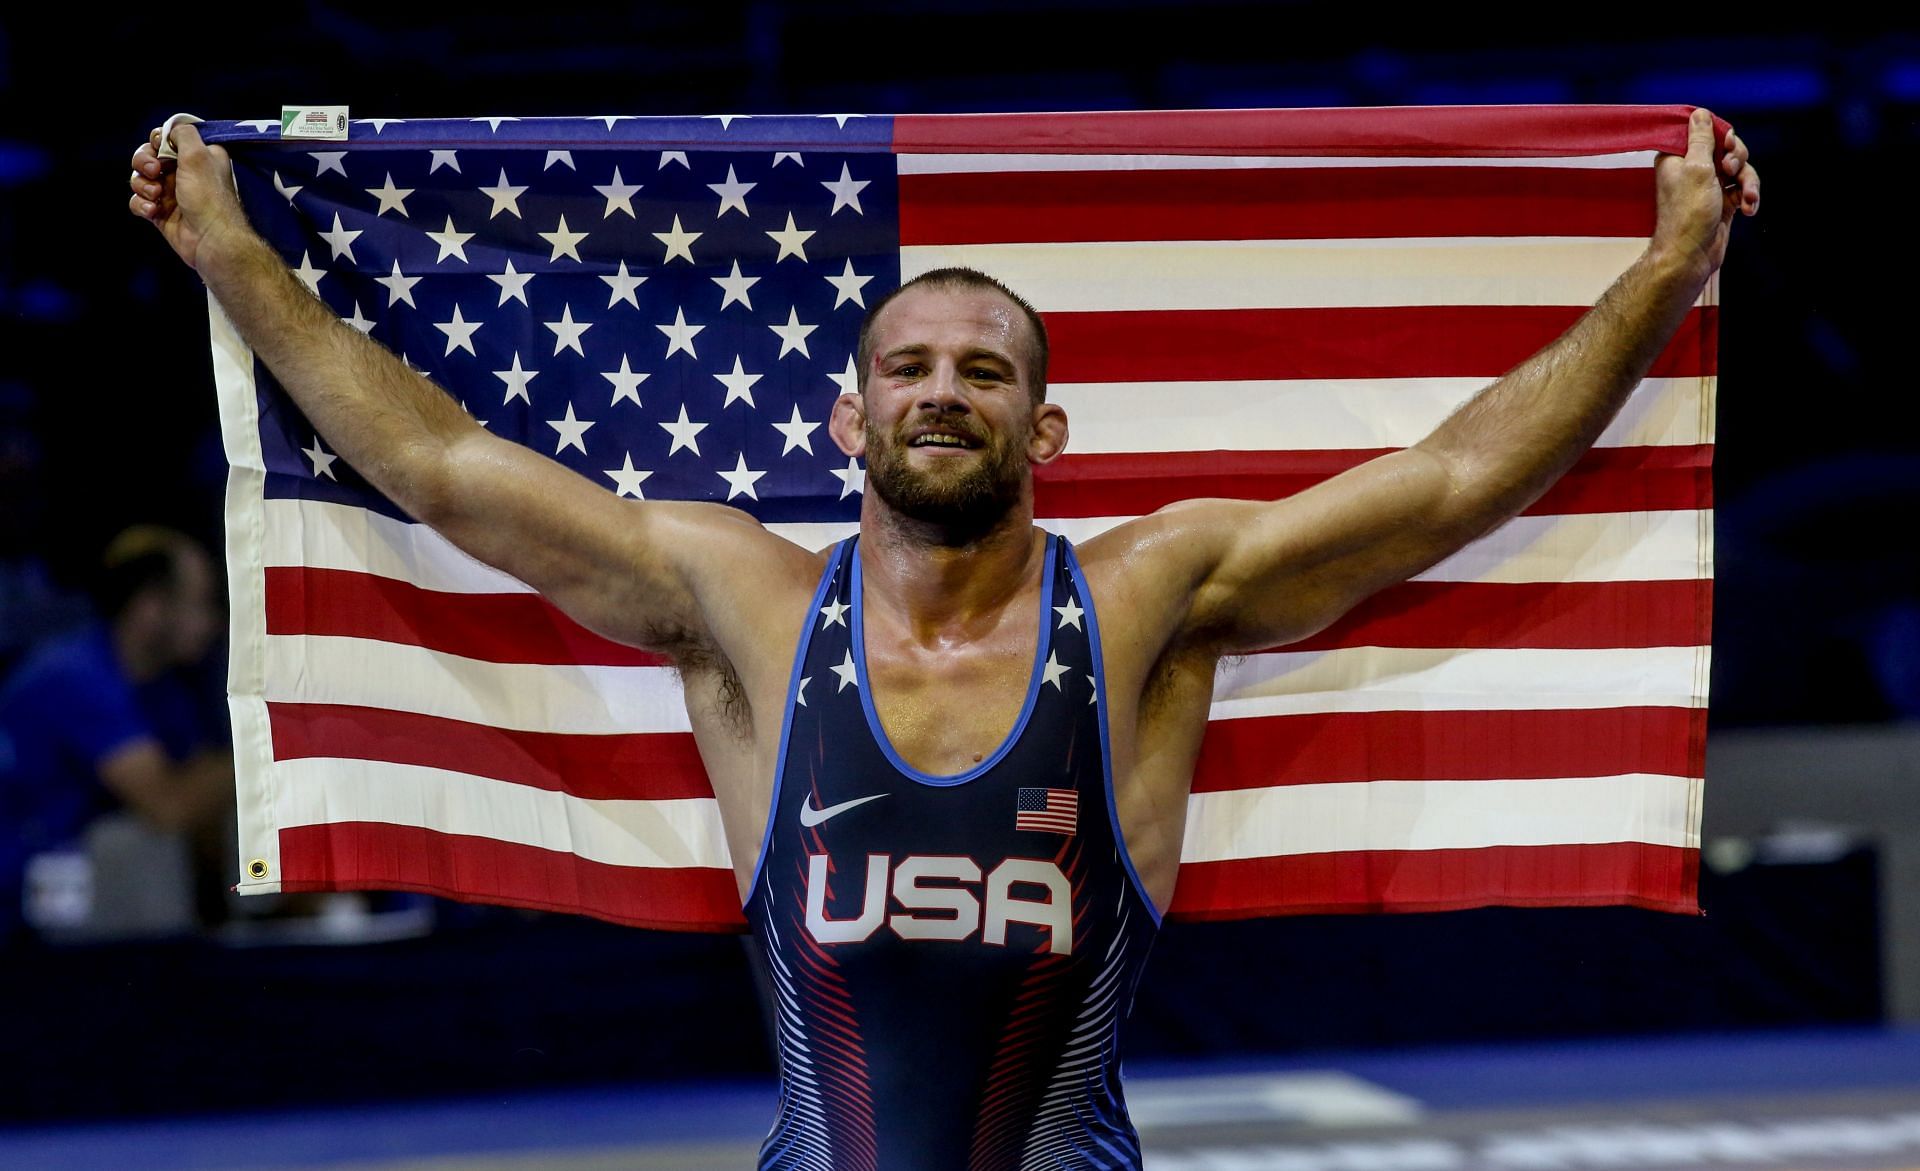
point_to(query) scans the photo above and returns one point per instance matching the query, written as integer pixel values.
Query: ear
(1049, 437)
(848, 425)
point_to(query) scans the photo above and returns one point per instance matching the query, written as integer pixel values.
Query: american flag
(1241, 303)
(1047, 810)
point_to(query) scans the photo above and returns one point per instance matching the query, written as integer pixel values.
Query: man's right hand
(191, 203)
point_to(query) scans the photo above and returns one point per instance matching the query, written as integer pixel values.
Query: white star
(735, 287)
(1093, 689)
(798, 432)
(610, 119)
(309, 275)
(513, 285)
(740, 479)
(564, 243)
(852, 479)
(800, 692)
(391, 198)
(678, 242)
(684, 433)
(793, 335)
(847, 380)
(792, 241)
(726, 120)
(329, 160)
(573, 432)
(847, 287)
(627, 478)
(358, 321)
(516, 380)
(626, 383)
(623, 284)
(322, 462)
(505, 196)
(1069, 615)
(379, 124)
(1053, 670)
(680, 335)
(732, 193)
(739, 384)
(847, 672)
(452, 243)
(399, 288)
(340, 240)
(567, 331)
(619, 194)
(494, 123)
(834, 614)
(560, 156)
(280, 185)
(841, 119)
(445, 158)
(459, 333)
(782, 156)
(261, 125)
(674, 156)
(846, 191)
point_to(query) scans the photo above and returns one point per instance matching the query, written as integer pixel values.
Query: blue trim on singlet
(1040, 645)
(1106, 741)
(786, 720)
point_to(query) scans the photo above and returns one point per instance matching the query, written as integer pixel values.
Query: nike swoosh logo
(809, 816)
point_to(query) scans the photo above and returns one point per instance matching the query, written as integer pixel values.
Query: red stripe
(375, 856)
(1378, 131)
(1273, 204)
(1662, 878)
(654, 766)
(1569, 615)
(1334, 747)
(1416, 341)
(1607, 479)
(496, 628)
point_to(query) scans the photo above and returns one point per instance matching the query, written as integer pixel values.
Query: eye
(984, 374)
(907, 371)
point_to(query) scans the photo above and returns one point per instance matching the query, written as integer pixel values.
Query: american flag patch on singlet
(1047, 810)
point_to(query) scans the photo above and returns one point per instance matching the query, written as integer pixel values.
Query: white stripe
(1373, 679)
(954, 164)
(323, 535)
(686, 832)
(1293, 274)
(536, 698)
(1438, 815)
(1331, 413)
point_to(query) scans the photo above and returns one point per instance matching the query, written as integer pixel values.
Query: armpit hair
(707, 673)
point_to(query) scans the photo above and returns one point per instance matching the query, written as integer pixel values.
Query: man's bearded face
(966, 489)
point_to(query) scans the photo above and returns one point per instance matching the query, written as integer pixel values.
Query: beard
(966, 499)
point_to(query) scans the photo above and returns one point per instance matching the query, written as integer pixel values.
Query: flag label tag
(317, 123)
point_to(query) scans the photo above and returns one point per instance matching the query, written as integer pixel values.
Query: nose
(942, 391)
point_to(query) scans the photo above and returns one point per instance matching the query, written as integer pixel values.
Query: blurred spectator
(105, 719)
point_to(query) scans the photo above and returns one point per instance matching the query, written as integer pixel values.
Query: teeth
(941, 440)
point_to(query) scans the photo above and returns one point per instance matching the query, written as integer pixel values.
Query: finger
(144, 208)
(1736, 156)
(147, 162)
(186, 139)
(1750, 191)
(1700, 137)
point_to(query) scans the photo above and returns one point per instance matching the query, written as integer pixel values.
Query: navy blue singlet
(951, 956)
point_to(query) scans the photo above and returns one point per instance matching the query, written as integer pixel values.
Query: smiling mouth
(941, 441)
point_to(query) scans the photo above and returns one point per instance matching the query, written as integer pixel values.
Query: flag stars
(739, 385)
(400, 288)
(459, 332)
(833, 614)
(800, 692)
(732, 193)
(793, 335)
(280, 185)
(561, 157)
(797, 432)
(309, 275)
(340, 241)
(627, 478)
(847, 380)
(782, 156)
(391, 198)
(573, 432)
(792, 241)
(505, 196)
(1053, 670)
(741, 479)
(848, 673)
(626, 382)
(567, 331)
(565, 243)
(451, 241)
(847, 286)
(1069, 615)
(445, 158)
(684, 433)
(734, 287)
(328, 160)
(679, 242)
(623, 285)
(852, 478)
(619, 195)
(680, 335)
(1093, 688)
(516, 380)
(322, 462)
(674, 156)
(359, 320)
(846, 191)
(513, 284)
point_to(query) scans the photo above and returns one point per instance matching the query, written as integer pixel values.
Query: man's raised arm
(613, 564)
(1264, 574)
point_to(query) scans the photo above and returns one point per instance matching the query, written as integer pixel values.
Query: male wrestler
(952, 755)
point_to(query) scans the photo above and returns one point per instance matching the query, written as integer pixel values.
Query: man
(949, 984)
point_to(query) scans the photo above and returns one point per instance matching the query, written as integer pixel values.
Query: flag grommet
(257, 868)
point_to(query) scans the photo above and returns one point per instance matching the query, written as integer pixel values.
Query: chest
(948, 705)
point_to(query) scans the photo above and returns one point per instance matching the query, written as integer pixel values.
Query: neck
(135, 654)
(942, 584)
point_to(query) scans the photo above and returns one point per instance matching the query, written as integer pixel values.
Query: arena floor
(1828, 1099)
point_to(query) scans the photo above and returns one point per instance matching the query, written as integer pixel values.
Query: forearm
(390, 423)
(1510, 442)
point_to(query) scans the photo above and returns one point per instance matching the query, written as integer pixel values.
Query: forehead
(951, 318)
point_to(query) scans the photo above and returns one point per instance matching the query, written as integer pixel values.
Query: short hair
(964, 278)
(137, 560)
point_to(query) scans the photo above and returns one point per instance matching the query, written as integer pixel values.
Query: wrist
(1683, 271)
(226, 252)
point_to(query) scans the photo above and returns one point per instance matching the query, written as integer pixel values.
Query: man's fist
(191, 202)
(1697, 200)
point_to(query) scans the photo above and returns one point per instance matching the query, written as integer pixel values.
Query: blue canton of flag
(671, 324)
(1046, 810)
